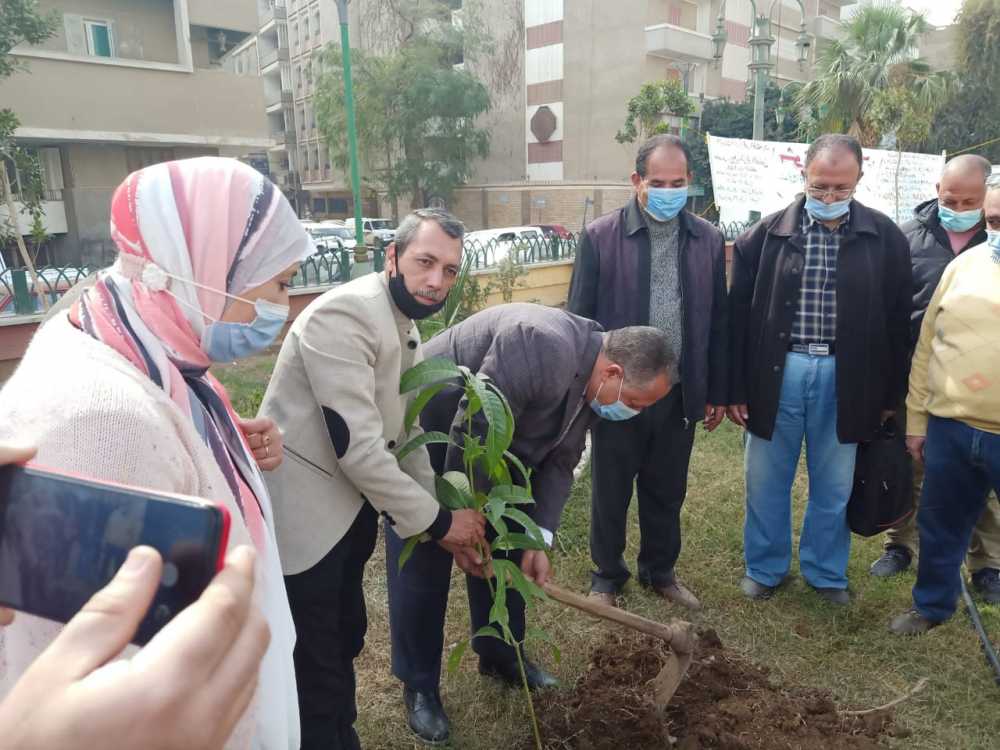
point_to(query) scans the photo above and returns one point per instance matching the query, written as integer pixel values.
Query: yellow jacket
(956, 366)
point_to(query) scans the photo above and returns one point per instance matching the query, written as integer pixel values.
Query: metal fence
(332, 265)
(20, 296)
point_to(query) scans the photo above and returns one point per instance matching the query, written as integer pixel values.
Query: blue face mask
(821, 211)
(616, 412)
(224, 341)
(993, 242)
(959, 221)
(664, 204)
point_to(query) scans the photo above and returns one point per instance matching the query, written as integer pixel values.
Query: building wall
(206, 107)
(142, 29)
(237, 15)
(492, 206)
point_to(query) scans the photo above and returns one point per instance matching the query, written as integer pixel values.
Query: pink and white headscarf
(220, 224)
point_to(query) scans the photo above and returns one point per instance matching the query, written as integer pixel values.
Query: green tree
(877, 52)
(971, 114)
(416, 109)
(647, 109)
(728, 119)
(20, 22)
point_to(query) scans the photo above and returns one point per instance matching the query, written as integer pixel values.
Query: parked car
(555, 229)
(325, 236)
(381, 228)
(495, 245)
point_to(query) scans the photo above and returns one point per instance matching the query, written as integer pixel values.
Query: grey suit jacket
(541, 359)
(335, 395)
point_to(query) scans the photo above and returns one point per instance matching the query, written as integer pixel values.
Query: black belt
(819, 349)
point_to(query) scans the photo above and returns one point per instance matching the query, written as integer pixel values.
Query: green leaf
(530, 527)
(425, 438)
(498, 612)
(487, 631)
(418, 403)
(459, 481)
(455, 657)
(411, 544)
(428, 372)
(515, 540)
(449, 495)
(528, 589)
(512, 494)
(496, 435)
(525, 474)
(499, 526)
(495, 509)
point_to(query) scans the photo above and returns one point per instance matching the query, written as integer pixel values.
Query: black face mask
(407, 303)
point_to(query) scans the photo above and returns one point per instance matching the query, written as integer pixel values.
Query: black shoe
(538, 678)
(834, 596)
(987, 582)
(757, 591)
(426, 715)
(894, 560)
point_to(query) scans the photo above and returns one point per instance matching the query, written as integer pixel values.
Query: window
(338, 205)
(100, 42)
(305, 27)
(316, 25)
(138, 158)
(319, 205)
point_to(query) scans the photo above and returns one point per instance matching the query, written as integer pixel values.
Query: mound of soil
(725, 702)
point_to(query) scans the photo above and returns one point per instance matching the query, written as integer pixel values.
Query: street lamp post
(360, 254)
(760, 43)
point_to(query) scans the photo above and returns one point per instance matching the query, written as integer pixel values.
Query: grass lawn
(803, 640)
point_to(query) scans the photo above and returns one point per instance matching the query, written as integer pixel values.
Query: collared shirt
(816, 316)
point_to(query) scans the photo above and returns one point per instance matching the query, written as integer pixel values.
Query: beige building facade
(122, 85)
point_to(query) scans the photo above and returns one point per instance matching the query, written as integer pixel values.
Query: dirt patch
(725, 702)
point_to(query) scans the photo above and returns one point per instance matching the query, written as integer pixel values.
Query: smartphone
(63, 537)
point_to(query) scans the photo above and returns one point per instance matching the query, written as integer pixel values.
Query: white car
(495, 245)
(326, 236)
(381, 228)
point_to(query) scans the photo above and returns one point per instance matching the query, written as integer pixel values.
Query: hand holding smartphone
(62, 538)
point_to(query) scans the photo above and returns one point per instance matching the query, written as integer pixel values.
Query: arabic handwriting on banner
(765, 176)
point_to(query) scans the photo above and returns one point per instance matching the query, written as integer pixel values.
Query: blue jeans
(961, 464)
(807, 408)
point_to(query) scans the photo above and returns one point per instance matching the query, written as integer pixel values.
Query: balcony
(825, 27)
(273, 12)
(277, 102)
(273, 57)
(116, 104)
(235, 15)
(678, 43)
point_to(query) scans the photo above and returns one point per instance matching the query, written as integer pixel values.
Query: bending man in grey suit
(559, 372)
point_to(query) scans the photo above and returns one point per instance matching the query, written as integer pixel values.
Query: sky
(938, 12)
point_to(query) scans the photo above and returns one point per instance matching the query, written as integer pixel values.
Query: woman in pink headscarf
(118, 387)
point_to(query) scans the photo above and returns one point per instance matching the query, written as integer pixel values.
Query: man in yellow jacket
(953, 420)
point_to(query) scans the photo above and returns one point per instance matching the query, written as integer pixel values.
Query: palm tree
(876, 53)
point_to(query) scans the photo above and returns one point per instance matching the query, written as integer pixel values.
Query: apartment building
(122, 85)
(570, 67)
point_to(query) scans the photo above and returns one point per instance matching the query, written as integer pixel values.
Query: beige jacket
(335, 396)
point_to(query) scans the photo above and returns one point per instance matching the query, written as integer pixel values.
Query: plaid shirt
(816, 316)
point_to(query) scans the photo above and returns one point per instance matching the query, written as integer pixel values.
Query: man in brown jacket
(335, 396)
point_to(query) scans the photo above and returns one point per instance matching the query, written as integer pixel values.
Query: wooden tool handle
(679, 636)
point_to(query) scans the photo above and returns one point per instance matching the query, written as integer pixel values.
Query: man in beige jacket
(335, 396)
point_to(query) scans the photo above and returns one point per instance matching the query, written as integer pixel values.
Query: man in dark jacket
(653, 263)
(558, 372)
(820, 309)
(942, 229)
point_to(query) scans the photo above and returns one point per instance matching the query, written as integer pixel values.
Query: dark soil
(724, 702)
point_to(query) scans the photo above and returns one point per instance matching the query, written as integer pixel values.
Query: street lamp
(760, 53)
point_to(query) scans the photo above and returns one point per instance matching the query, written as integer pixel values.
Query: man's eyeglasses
(821, 193)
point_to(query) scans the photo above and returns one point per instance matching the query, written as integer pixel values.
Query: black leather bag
(882, 496)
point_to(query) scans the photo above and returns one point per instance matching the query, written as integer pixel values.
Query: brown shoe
(678, 593)
(604, 597)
